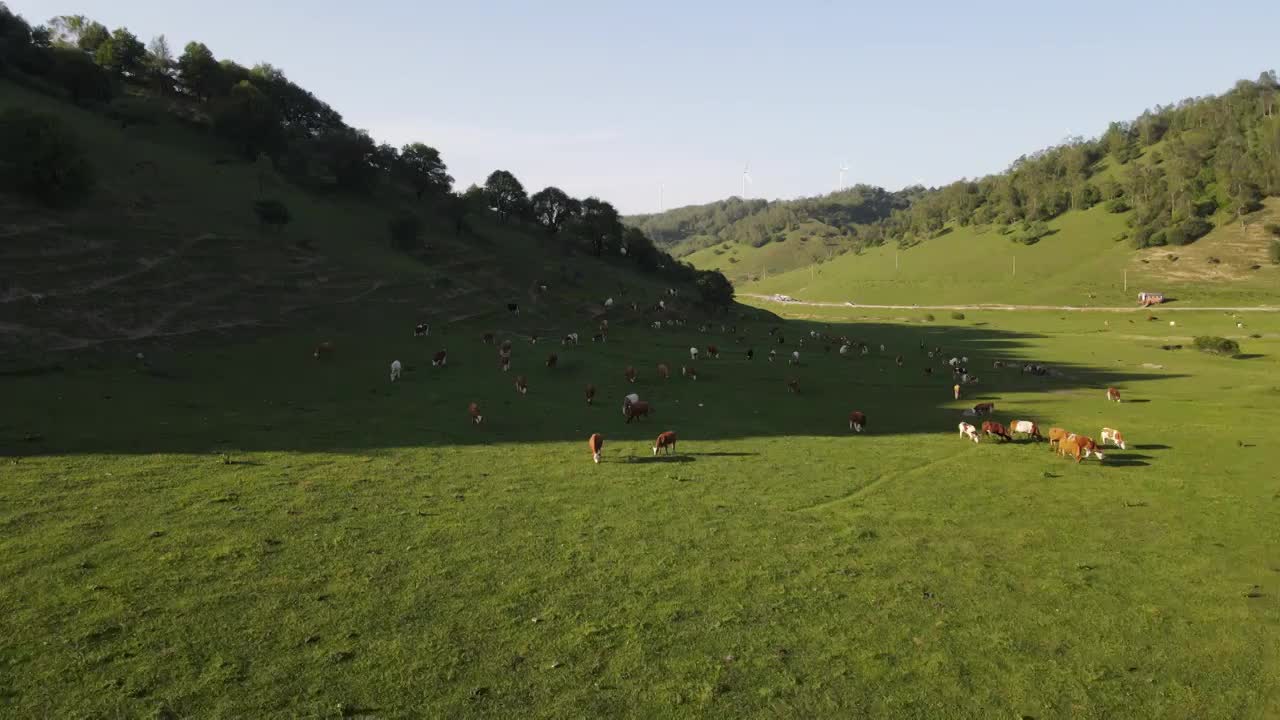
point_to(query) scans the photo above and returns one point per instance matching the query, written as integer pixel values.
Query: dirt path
(979, 306)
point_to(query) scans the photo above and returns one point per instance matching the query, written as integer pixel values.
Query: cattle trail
(874, 483)
(1000, 306)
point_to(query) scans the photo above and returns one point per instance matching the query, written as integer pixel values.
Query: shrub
(404, 230)
(39, 157)
(928, 318)
(1117, 205)
(1275, 252)
(272, 213)
(1188, 231)
(957, 316)
(1217, 345)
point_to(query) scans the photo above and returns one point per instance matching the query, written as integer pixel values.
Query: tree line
(1175, 171)
(266, 118)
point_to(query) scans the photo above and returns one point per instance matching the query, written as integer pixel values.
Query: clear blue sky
(616, 98)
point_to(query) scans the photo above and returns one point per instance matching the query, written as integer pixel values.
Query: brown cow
(324, 351)
(591, 393)
(898, 360)
(552, 359)
(1069, 446)
(440, 358)
(1087, 446)
(857, 421)
(664, 372)
(487, 338)
(666, 441)
(713, 351)
(1056, 436)
(793, 385)
(689, 371)
(474, 410)
(595, 442)
(522, 385)
(990, 428)
(1113, 394)
(629, 374)
(637, 410)
(985, 408)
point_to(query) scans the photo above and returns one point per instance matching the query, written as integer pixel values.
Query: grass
(245, 532)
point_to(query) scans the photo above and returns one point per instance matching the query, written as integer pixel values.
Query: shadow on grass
(725, 454)
(271, 395)
(1249, 356)
(644, 460)
(1151, 447)
(1138, 401)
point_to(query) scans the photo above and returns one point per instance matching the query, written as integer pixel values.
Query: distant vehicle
(1150, 298)
(784, 298)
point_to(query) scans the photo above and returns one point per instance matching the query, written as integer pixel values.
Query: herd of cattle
(1066, 443)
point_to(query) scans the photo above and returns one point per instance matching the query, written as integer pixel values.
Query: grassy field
(250, 533)
(1081, 263)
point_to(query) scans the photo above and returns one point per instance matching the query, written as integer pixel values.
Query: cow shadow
(1138, 401)
(1127, 460)
(1248, 356)
(647, 459)
(725, 454)
(1151, 447)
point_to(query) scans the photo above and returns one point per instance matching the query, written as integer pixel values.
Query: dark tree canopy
(552, 208)
(41, 158)
(199, 72)
(421, 167)
(505, 195)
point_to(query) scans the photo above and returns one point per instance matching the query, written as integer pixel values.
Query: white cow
(969, 431)
(1114, 437)
(608, 303)
(795, 357)
(772, 354)
(629, 400)
(693, 353)
(844, 349)
(657, 325)
(570, 339)
(395, 370)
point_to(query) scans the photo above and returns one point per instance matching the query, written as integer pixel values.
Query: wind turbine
(746, 178)
(661, 188)
(844, 168)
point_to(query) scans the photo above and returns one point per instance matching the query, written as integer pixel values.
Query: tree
(122, 53)
(160, 64)
(92, 36)
(505, 195)
(347, 154)
(714, 288)
(422, 169)
(598, 225)
(552, 207)
(198, 71)
(247, 118)
(41, 158)
(84, 81)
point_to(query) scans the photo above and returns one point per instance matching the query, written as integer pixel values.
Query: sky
(637, 102)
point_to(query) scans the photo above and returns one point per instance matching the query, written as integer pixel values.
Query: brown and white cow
(990, 427)
(1069, 447)
(857, 421)
(552, 359)
(637, 410)
(1087, 446)
(664, 372)
(1113, 394)
(969, 431)
(666, 441)
(793, 385)
(505, 347)
(591, 393)
(595, 442)
(504, 362)
(440, 358)
(713, 351)
(324, 351)
(1025, 427)
(629, 374)
(689, 371)
(522, 385)
(1056, 436)
(474, 410)
(1113, 437)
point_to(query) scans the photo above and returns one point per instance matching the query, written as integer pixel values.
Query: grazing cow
(662, 304)
(474, 410)
(487, 338)
(656, 324)
(421, 330)
(985, 408)
(1069, 447)
(969, 431)
(693, 353)
(772, 354)
(1025, 427)
(1088, 446)
(955, 390)
(505, 347)
(598, 337)
(324, 351)
(591, 393)
(440, 359)
(504, 362)
(713, 351)
(1056, 436)
(636, 410)
(513, 308)
(929, 373)
(552, 359)
(795, 358)
(793, 385)
(522, 385)
(664, 372)
(666, 441)
(689, 371)
(881, 347)
(629, 374)
(857, 421)
(1113, 394)
(898, 361)
(395, 370)
(844, 349)
(608, 303)
(1113, 437)
(533, 339)
(629, 399)
(751, 353)
(595, 442)
(990, 428)
(570, 339)
(997, 364)
(782, 340)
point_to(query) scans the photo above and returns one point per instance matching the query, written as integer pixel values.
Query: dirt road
(1135, 308)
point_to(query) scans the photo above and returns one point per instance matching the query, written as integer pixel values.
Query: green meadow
(242, 531)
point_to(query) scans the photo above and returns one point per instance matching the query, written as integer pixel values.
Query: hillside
(1171, 176)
